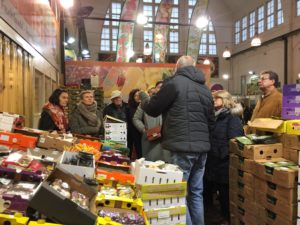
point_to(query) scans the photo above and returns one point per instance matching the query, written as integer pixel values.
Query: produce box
(279, 171)
(45, 155)
(146, 172)
(60, 208)
(7, 121)
(29, 131)
(105, 177)
(143, 189)
(74, 164)
(291, 141)
(244, 215)
(291, 101)
(119, 202)
(268, 124)
(255, 152)
(170, 216)
(241, 163)
(241, 189)
(106, 221)
(241, 176)
(39, 222)
(241, 201)
(293, 127)
(290, 113)
(16, 219)
(164, 202)
(276, 204)
(55, 141)
(267, 216)
(289, 195)
(291, 90)
(115, 129)
(113, 167)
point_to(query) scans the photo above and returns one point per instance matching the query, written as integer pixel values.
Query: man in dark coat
(117, 109)
(188, 118)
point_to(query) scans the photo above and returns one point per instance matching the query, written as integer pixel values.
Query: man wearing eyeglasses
(270, 103)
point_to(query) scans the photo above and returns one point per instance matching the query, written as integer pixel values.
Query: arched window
(174, 30)
(208, 43)
(150, 8)
(109, 35)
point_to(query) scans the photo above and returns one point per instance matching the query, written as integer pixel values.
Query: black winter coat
(187, 108)
(227, 126)
(116, 112)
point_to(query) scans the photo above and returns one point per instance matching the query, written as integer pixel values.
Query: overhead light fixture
(130, 53)
(85, 52)
(299, 75)
(226, 53)
(256, 41)
(65, 43)
(66, 3)
(141, 19)
(202, 22)
(225, 76)
(206, 62)
(251, 72)
(71, 40)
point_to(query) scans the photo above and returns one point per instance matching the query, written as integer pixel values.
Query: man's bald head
(184, 61)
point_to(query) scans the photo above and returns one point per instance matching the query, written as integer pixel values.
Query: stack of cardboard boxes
(263, 183)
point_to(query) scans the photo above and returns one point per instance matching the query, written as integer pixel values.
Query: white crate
(145, 175)
(82, 171)
(166, 217)
(164, 203)
(116, 137)
(115, 127)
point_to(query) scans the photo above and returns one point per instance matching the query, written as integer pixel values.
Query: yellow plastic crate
(120, 202)
(293, 127)
(16, 219)
(106, 221)
(43, 222)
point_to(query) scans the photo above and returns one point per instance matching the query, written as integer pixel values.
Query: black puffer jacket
(188, 114)
(228, 125)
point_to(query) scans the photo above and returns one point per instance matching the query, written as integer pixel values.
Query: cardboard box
(115, 129)
(289, 195)
(255, 152)
(293, 153)
(55, 141)
(290, 113)
(241, 163)
(241, 176)
(267, 216)
(119, 202)
(164, 202)
(42, 222)
(267, 124)
(279, 171)
(243, 215)
(82, 171)
(7, 121)
(61, 209)
(147, 175)
(162, 188)
(291, 101)
(276, 204)
(45, 155)
(291, 89)
(242, 189)
(293, 127)
(170, 216)
(291, 141)
(243, 202)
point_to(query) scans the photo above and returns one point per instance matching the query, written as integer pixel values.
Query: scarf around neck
(89, 112)
(58, 116)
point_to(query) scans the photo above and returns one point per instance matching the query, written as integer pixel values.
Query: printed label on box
(42, 140)
(163, 214)
(4, 137)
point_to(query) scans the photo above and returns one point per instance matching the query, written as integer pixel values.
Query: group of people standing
(197, 126)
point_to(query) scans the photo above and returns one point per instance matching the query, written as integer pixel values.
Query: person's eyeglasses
(264, 78)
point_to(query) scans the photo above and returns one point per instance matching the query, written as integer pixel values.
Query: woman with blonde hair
(86, 119)
(228, 125)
